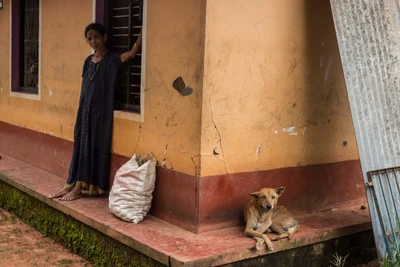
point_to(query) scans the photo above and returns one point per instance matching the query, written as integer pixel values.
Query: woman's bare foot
(61, 193)
(74, 194)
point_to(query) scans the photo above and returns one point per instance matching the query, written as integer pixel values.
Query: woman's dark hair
(97, 27)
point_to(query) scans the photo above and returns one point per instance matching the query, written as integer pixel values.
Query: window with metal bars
(123, 21)
(26, 45)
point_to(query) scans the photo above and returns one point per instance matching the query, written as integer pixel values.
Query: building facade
(233, 96)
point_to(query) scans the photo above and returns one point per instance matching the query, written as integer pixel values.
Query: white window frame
(22, 94)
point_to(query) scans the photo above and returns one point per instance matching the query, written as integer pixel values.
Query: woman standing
(90, 165)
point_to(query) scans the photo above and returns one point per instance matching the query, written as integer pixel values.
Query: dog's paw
(259, 245)
(271, 246)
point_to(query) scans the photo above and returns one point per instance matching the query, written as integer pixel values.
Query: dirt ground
(23, 246)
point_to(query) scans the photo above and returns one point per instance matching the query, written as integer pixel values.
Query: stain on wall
(180, 86)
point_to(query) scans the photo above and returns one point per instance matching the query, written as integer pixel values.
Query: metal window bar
(123, 29)
(128, 82)
(30, 46)
(385, 187)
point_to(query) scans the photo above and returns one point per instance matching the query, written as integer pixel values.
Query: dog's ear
(255, 194)
(280, 190)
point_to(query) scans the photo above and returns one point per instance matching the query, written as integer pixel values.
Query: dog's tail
(294, 229)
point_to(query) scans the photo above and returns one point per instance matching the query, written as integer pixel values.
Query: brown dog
(262, 214)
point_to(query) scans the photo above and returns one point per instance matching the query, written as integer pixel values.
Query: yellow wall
(175, 43)
(274, 92)
(63, 49)
(270, 67)
(171, 128)
(4, 54)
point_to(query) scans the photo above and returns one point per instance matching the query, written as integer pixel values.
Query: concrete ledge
(169, 244)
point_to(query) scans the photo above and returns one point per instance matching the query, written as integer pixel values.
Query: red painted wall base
(200, 204)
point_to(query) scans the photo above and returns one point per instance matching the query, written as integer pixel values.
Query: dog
(263, 215)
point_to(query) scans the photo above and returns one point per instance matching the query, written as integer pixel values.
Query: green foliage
(81, 239)
(392, 260)
(65, 261)
(338, 260)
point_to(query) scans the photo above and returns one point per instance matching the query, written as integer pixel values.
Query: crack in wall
(196, 168)
(164, 161)
(220, 139)
(138, 141)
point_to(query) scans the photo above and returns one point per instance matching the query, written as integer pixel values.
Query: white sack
(131, 194)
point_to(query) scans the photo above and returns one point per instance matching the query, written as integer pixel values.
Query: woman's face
(95, 39)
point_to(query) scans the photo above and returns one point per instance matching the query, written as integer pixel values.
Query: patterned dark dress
(90, 165)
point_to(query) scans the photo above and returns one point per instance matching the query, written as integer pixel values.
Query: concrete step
(171, 245)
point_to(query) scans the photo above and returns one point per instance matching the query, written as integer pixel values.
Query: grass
(392, 260)
(65, 261)
(338, 261)
(6, 218)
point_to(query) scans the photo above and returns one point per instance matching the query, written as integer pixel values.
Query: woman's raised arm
(135, 49)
